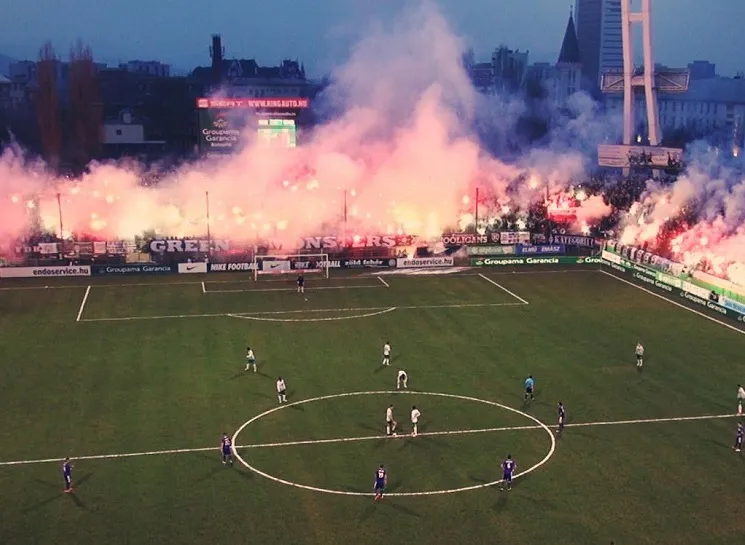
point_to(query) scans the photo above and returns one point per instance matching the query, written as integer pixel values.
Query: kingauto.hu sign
(253, 103)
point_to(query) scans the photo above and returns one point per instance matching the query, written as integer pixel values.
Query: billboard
(640, 157)
(222, 122)
(282, 132)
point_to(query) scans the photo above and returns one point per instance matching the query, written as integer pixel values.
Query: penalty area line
(501, 287)
(366, 438)
(82, 304)
(298, 311)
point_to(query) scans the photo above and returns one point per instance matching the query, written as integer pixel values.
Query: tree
(46, 99)
(85, 114)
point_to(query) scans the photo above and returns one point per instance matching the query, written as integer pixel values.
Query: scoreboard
(278, 132)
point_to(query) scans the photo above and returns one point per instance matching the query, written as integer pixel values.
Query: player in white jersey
(740, 399)
(402, 380)
(415, 414)
(281, 390)
(639, 355)
(390, 423)
(387, 353)
(250, 359)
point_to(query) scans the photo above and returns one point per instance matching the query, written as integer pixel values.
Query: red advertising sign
(254, 103)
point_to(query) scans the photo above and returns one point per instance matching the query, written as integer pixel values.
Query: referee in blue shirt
(529, 386)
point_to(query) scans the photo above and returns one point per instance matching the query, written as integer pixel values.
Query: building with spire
(558, 82)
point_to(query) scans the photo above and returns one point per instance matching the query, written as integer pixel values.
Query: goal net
(291, 264)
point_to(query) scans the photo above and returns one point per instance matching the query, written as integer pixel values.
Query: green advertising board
(674, 287)
(220, 131)
(514, 261)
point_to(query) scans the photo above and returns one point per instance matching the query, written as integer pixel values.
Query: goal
(291, 264)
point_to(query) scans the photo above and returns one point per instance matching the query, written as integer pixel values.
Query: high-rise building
(599, 35)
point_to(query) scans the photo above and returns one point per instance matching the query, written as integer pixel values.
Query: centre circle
(394, 392)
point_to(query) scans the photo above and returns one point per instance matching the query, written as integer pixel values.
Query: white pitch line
(299, 311)
(379, 437)
(291, 289)
(82, 305)
(501, 287)
(383, 281)
(366, 438)
(484, 430)
(294, 320)
(192, 283)
(204, 288)
(684, 307)
(110, 456)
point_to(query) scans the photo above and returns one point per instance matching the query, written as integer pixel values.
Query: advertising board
(421, 262)
(533, 261)
(491, 250)
(192, 268)
(44, 272)
(541, 249)
(676, 288)
(125, 270)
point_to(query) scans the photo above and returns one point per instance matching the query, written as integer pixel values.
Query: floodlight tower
(631, 79)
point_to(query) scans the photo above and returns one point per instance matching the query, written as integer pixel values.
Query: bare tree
(46, 99)
(85, 107)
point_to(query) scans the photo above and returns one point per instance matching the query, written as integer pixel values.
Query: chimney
(217, 51)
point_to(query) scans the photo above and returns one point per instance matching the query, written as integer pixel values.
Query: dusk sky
(320, 32)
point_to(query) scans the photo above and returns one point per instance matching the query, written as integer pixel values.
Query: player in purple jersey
(508, 469)
(381, 481)
(562, 417)
(67, 475)
(739, 437)
(226, 447)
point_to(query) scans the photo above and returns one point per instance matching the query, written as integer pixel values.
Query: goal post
(291, 264)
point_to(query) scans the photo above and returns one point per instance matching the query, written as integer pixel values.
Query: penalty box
(346, 297)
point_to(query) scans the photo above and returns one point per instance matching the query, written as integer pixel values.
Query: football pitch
(136, 379)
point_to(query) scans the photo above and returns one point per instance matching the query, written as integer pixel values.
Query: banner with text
(124, 270)
(44, 272)
(514, 237)
(459, 239)
(305, 265)
(541, 249)
(421, 262)
(522, 261)
(573, 240)
(670, 285)
(491, 250)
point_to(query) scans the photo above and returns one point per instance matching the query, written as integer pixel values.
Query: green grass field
(156, 364)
